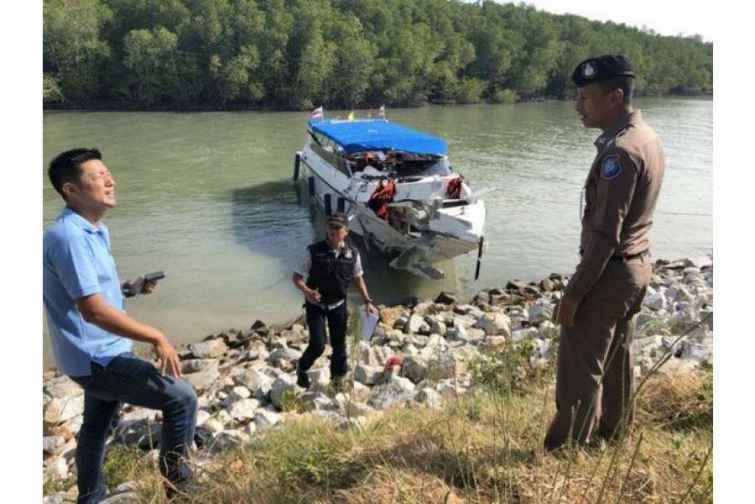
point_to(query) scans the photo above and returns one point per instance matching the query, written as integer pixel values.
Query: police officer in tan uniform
(594, 381)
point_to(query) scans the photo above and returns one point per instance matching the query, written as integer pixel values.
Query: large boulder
(266, 418)
(429, 397)
(62, 386)
(390, 315)
(53, 445)
(417, 325)
(204, 378)
(245, 409)
(540, 311)
(256, 381)
(280, 387)
(62, 409)
(495, 324)
(208, 349)
(368, 375)
(415, 368)
(395, 390)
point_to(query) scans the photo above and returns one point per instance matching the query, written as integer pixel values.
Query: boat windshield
(400, 163)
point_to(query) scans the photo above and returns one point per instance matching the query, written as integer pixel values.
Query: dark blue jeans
(129, 379)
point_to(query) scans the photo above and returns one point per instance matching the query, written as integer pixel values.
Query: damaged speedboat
(396, 186)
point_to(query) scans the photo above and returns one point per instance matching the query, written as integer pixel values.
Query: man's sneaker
(302, 378)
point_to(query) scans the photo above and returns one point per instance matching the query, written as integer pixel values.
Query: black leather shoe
(302, 379)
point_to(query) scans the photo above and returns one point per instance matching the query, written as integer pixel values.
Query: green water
(208, 198)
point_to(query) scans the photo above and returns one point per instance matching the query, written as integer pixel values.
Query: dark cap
(602, 68)
(338, 219)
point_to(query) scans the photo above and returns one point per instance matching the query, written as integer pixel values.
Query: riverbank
(362, 111)
(430, 364)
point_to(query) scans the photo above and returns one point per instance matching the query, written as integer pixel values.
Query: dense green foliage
(297, 54)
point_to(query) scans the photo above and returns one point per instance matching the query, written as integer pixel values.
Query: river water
(208, 198)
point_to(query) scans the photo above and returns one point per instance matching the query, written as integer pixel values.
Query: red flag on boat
(317, 113)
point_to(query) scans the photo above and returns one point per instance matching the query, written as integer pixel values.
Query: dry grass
(483, 448)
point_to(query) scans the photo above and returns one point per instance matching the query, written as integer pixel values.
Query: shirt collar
(632, 119)
(71, 214)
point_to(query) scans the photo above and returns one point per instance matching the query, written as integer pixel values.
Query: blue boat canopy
(378, 134)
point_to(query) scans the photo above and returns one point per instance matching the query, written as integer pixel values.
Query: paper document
(369, 322)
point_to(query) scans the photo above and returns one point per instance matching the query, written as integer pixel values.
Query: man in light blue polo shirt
(92, 334)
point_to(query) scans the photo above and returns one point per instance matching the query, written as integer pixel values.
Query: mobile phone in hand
(154, 277)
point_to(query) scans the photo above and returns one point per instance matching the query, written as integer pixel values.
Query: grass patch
(485, 447)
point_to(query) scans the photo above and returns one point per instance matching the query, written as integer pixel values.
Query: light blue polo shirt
(77, 262)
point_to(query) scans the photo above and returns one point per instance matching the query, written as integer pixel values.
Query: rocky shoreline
(421, 353)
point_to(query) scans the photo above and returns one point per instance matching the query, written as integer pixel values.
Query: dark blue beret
(602, 68)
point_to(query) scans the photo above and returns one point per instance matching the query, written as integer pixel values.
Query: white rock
(414, 368)
(437, 327)
(202, 417)
(206, 377)
(448, 390)
(53, 444)
(265, 418)
(139, 413)
(697, 351)
(208, 349)
(548, 330)
(356, 409)
(414, 324)
(122, 498)
(63, 409)
(397, 389)
(244, 409)
(241, 392)
(319, 378)
(367, 354)
(542, 347)
(656, 301)
(367, 375)
(228, 439)
(213, 425)
(127, 486)
(540, 311)
(280, 387)
(457, 332)
(524, 334)
(359, 392)
(56, 468)
(62, 386)
(57, 498)
(284, 354)
(256, 381)
(429, 397)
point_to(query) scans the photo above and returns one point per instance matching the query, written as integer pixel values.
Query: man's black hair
(66, 167)
(624, 83)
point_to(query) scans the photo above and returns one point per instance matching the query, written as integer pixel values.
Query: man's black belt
(328, 306)
(629, 257)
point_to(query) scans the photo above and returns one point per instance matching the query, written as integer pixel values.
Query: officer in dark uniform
(595, 377)
(329, 266)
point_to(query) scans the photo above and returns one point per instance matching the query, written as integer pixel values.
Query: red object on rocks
(392, 361)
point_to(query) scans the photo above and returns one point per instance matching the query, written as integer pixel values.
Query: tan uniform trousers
(595, 376)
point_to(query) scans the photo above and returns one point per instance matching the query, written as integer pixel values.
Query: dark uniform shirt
(621, 192)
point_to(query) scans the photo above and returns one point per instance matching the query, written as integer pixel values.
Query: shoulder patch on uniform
(610, 168)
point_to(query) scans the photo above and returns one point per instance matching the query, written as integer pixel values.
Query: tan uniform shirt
(621, 191)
